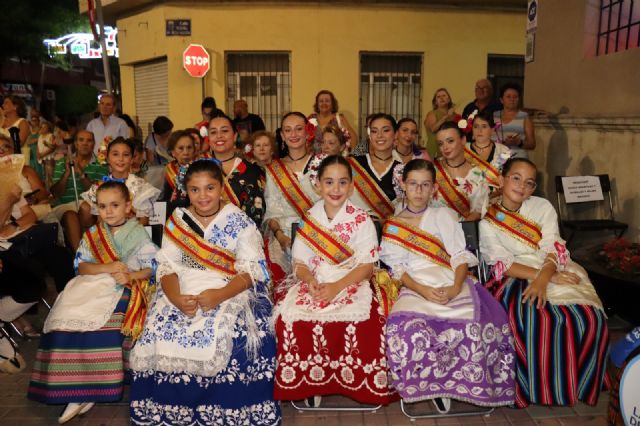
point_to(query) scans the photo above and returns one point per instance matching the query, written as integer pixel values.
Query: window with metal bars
(390, 83)
(502, 69)
(263, 80)
(618, 26)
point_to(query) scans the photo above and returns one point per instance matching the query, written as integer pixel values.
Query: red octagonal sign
(196, 60)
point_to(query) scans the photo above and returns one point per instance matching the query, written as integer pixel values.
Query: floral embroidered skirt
(333, 358)
(82, 366)
(462, 350)
(240, 394)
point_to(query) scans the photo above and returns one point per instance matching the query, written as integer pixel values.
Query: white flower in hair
(204, 132)
(314, 165)
(462, 123)
(314, 121)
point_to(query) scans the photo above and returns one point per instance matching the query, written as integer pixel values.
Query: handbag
(40, 237)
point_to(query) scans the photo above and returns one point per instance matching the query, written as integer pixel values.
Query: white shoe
(313, 402)
(443, 405)
(73, 409)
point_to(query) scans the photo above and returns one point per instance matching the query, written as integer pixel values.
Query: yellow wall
(324, 41)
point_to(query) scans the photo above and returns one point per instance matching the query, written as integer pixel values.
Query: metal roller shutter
(152, 92)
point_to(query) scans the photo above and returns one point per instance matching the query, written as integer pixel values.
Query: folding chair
(588, 225)
(471, 236)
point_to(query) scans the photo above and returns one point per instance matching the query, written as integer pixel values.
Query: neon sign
(83, 44)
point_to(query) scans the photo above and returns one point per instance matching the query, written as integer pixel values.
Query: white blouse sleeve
(365, 243)
(395, 258)
(250, 254)
(550, 230)
(492, 249)
(453, 239)
(480, 196)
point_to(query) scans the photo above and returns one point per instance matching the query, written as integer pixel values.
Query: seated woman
(119, 156)
(373, 177)
(207, 355)
(86, 328)
(243, 181)
(555, 314)
(330, 326)
(484, 153)
(441, 309)
(406, 147)
(333, 141)
(461, 186)
(326, 113)
(182, 148)
(288, 193)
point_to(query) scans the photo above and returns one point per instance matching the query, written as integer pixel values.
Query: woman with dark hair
(483, 152)
(243, 181)
(555, 314)
(515, 128)
(374, 172)
(15, 114)
(133, 130)
(462, 186)
(443, 110)
(406, 146)
(326, 112)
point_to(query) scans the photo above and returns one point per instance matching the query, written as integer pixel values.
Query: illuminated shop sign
(83, 45)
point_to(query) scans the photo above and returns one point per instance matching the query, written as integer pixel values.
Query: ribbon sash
(416, 241)
(198, 249)
(100, 244)
(228, 193)
(171, 174)
(370, 191)
(290, 187)
(323, 242)
(449, 193)
(487, 168)
(515, 225)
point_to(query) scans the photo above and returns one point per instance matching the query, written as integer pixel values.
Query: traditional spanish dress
(288, 196)
(173, 191)
(218, 366)
(244, 187)
(143, 195)
(561, 348)
(81, 357)
(463, 195)
(462, 350)
(492, 167)
(375, 193)
(336, 347)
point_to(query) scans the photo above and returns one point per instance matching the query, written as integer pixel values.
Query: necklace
(382, 159)
(418, 212)
(209, 215)
(508, 209)
(455, 167)
(482, 148)
(228, 159)
(297, 159)
(404, 155)
(119, 225)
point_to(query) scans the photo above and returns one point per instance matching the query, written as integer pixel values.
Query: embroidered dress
(561, 349)
(244, 187)
(288, 195)
(336, 347)
(218, 366)
(143, 195)
(86, 362)
(463, 195)
(462, 350)
(492, 166)
(374, 192)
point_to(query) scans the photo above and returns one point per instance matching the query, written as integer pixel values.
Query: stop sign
(196, 60)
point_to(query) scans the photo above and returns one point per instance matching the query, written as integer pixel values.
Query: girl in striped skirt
(557, 319)
(81, 359)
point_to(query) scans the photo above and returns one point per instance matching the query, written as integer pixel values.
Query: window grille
(618, 26)
(263, 80)
(502, 69)
(390, 83)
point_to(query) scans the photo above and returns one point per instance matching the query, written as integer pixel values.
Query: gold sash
(515, 225)
(100, 244)
(323, 242)
(449, 193)
(487, 168)
(171, 174)
(370, 191)
(290, 187)
(198, 249)
(228, 194)
(416, 241)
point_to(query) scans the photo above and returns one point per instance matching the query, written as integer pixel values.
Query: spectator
(244, 122)
(515, 128)
(156, 143)
(326, 113)
(87, 171)
(15, 112)
(139, 166)
(443, 110)
(264, 148)
(484, 99)
(133, 130)
(209, 110)
(333, 141)
(107, 126)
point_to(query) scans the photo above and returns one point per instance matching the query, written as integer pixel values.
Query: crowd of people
(291, 269)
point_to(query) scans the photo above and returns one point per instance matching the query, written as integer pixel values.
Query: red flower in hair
(311, 131)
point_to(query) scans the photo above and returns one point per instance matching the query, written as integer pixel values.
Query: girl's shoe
(443, 405)
(73, 409)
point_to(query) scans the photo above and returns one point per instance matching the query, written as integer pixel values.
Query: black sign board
(178, 27)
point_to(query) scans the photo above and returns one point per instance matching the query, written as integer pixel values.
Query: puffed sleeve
(491, 247)
(395, 258)
(453, 239)
(365, 241)
(250, 254)
(550, 229)
(83, 254)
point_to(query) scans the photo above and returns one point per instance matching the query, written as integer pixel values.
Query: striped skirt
(81, 366)
(561, 350)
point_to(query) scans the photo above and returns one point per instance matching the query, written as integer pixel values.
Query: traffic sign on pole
(196, 60)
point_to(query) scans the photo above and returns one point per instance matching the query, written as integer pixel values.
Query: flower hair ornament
(465, 124)
(93, 191)
(314, 165)
(310, 127)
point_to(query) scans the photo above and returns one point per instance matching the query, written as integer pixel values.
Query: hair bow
(106, 179)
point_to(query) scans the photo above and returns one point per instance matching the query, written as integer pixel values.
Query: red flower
(311, 132)
(350, 209)
(241, 168)
(468, 186)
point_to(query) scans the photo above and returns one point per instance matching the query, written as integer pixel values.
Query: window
(619, 26)
(390, 83)
(502, 69)
(263, 80)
